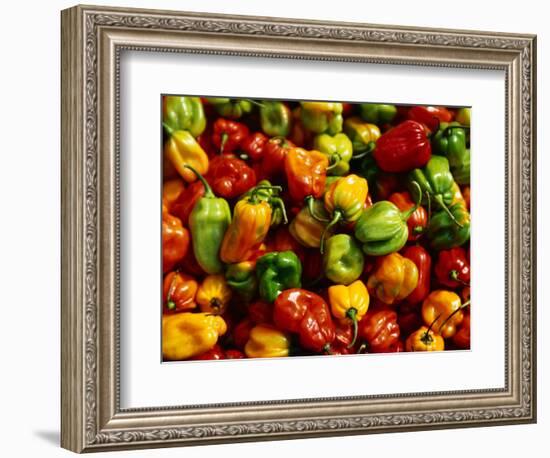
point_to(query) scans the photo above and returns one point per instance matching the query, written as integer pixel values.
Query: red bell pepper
(228, 135)
(403, 148)
(430, 116)
(306, 173)
(452, 268)
(183, 205)
(275, 151)
(230, 176)
(418, 221)
(254, 145)
(380, 330)
(423, 262)
(306, 314)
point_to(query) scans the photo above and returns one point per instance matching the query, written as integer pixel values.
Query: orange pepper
(393, 279)
(214, 294)
(179, 291)
(442, 310)
(424, 339)
(306, 173)
(171, 191)
(175, 240)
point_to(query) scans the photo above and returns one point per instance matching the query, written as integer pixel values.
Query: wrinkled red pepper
(452, 268)
(185, 202)
(175, 240)
(403, 148)
(306, 314)
(430, 116)
(342, 340)
(306, 173)
(228, 135)
(418, 221)
(274, 154)
(380, 330)
(423, 262)
(230, 176)
(254, 145)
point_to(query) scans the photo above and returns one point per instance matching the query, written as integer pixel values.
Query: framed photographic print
(296, 228)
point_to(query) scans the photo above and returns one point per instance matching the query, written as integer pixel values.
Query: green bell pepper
(275, 118)
(241, 277)
(183, 113)
(444, 233)
(451, 141)
(343, 260)
(276, 272)
(208, 222)
(339, 150)
(322, 117)
(231, 108)
(378, 113)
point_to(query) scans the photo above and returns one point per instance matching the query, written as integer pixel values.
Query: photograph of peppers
(301, 228)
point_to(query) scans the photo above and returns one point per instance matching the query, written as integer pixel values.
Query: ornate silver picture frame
(93, 39)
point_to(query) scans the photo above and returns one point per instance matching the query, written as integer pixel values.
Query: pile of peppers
(298, 228)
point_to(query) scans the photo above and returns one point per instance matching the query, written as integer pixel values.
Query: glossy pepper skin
(185, 335)
(248, 229)
(308, 230)
(403, 148)
(208, 222)
(254, 145)
(382, 228)
(363, 135)
(183, 113)
(186, 201)
(338, 149)
(266, 341)
(424, 339)
(306, 314)
(322, 117)
(452, 268)
(265, 192)
(241, 277)
(423, 262)
(306, 173)
(275, 118)
(463, 116)
(171, 192)
(175, 240)
(230, 176)
(181, 150)
(231, 108)
(378, 113)
(380, 330)
(274, 154)
(450, 141)
(418, 221)
(343, 260)
(430, 116)
(442, 308)
(443, 230)
(462, 337)
(214, 294)
(349, 304)
(393, 279)
(277, 271)
(228, 135)
(179, 291)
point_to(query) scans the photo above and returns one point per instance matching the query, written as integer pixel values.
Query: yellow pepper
(443, 309)
(214, 294)
(265, 341)
(249, 227)
(458, 198)
(185, 335)
(306, 229)
(171, 191)
(361, 134)
(394, 278)
(349, 303)
(182, 149)
(424, 339)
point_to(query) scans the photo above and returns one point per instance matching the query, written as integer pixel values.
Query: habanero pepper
(363, 135)
(230, 176)
(277, 271)
(452, 269)
(431, 117)
(450, 141)
(338, 149)
(449, 228)
(241, 332)
(423, 262)
(208, 222)
(260, 312)
(231, 108)
(214, 294)
(175, 240)
(179, 292)
(306, 314)
(228, 135)
(418, 221)
(172, 190)
(264, 191)
(275, 118)
(322, 117)
(186, 201)
(183, 113)
(443, 310)
(180, 150)
(343, 260)
(274, 154)
(403, 148)
(308, 230)
(424, 339)
(393, 279)
(266, 341)
(306, 173)
(463, 116)
(378, 113)
(284, 241)
(253, 145)
(462, 337)
(241, 277)
(380, 330)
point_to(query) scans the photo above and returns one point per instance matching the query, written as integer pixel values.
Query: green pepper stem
(352, 315)
(309, 201)
(336, 217)
(407, 213)
(439, 199)
(334, 161)
(466, 304)
(169, 130)
(426, 337)
(361, 348)
(369, 150)
(254, 102)
(170, 304)
(207, 189)
(453, 275)
(223, 142)
(277, 201)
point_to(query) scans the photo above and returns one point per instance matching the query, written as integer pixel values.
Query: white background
(29, 243)
(144, 76)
